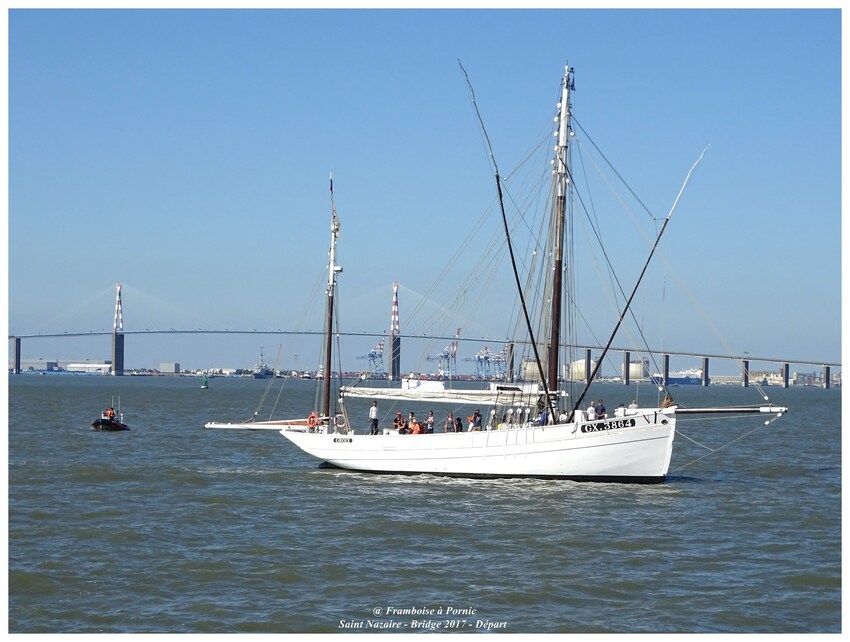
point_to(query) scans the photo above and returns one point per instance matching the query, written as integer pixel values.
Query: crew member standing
(373, 418)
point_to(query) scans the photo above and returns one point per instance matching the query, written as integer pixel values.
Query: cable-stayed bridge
(783, 364)
(118, 335)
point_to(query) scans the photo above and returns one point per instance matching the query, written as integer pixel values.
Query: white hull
(630, 449)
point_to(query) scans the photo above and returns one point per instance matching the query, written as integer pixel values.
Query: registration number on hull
(612, 424)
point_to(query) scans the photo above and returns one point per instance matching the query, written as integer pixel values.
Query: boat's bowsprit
(733, 410)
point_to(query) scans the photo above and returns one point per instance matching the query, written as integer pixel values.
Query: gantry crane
(376, 358)
(482, 363)
(447, 366)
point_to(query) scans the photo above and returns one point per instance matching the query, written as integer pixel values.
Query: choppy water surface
(173, 528)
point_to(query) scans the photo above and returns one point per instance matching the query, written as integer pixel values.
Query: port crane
(376, 358)
(482, 363)
(499, 362)
(447, 359)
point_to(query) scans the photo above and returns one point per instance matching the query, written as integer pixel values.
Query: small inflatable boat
(109, 422)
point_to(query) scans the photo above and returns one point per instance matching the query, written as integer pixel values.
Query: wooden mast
(561, 186)
(333, 270)
(559, 212)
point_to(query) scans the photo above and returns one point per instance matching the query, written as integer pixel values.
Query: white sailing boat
(532, 436)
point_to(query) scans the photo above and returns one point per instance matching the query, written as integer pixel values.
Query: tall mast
(562, 180)
(333, 270)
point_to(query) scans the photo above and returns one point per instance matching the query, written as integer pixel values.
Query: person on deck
(601, 413)
(429, 422)
(413, 426)
(400, 424)
(591, 412)
(373, 418)
(449, 423)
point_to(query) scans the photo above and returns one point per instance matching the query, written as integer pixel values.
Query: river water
(170, 528)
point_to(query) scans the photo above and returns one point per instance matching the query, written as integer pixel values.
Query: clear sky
(186, 153)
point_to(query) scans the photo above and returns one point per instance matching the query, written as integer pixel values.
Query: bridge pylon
(395, 339)
(118, 335)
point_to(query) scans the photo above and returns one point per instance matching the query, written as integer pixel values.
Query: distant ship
(261, 370)
(692, 377)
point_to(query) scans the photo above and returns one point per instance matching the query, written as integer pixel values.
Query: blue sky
(186, 153)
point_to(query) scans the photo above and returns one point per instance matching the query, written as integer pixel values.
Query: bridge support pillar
(705, 378)
(827, 375)
(117, 354)
(745, 373)
(588, 366)
(17, 369)
(626, 369)
(786, 368)
(395, 358)
(665, 369)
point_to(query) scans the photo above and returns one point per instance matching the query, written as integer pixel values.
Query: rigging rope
(613, 169)
(279, 394)
(640, 278)
(510, 247)
(714, 450)
(265, 394)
